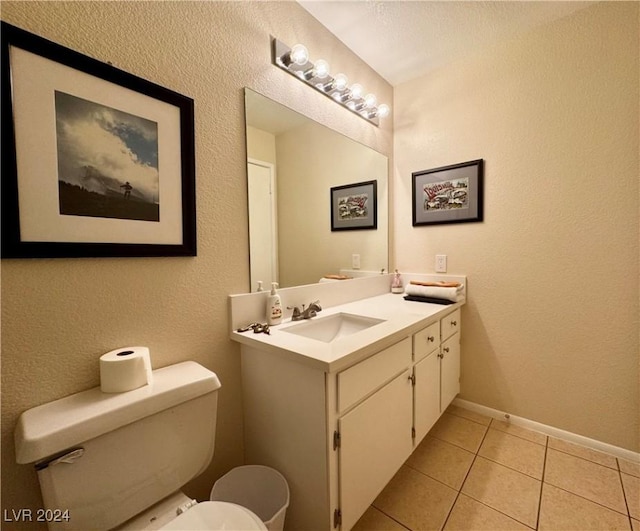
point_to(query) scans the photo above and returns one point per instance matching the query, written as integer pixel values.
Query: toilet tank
(103, 458)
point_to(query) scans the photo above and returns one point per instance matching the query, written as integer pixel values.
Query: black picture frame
(449, 194)
(354, 206)
(47, 93)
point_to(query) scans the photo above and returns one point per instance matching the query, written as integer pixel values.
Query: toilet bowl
(179, 512)
(216, 515)
(143, 445)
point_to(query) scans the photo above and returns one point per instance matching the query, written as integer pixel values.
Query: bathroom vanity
(338, 416)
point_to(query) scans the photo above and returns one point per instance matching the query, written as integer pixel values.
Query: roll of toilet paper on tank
(125, 369)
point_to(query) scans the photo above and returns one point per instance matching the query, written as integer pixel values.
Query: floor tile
(468, 514)
(506, 490)
(442, 461)
(519, 431)
(633, 469)
(631, 486)
(459, 431)
(469, 415)
(517, 453)
(581, 451)
(375, 520)
(584, 478)
(415, 500)
(562, 511)
(635, 524)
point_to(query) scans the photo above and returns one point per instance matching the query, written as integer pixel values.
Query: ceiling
(402, 40)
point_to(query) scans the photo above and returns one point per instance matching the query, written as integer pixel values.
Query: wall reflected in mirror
(292, 164)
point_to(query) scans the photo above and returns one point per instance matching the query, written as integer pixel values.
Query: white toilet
(120, 460)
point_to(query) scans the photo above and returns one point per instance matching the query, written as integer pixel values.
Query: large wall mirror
(293, 163)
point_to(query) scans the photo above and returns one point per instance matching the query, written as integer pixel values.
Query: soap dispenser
(396, 283)
(274, 306)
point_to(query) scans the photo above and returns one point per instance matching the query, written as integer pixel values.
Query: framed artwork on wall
(450, 194)
(96, 162)
(354, 206)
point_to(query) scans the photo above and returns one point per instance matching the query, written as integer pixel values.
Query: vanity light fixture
(295, 60)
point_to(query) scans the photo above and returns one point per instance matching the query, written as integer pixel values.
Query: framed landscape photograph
(354, 206)
(450, 194)
(96, 162)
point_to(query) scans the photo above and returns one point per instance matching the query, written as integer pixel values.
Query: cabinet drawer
(358, 381)
(426, 341)
(450, 324)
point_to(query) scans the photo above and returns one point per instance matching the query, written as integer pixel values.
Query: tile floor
(472, 472)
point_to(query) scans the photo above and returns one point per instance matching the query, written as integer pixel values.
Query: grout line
(514, 469)
(587, 459)
(587, 499)
(510, 517)
(516, 435)
(391, 518)
(544, 469)
(624, 492)
(475, 456)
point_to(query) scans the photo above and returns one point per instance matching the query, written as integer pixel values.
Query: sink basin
(332, 327)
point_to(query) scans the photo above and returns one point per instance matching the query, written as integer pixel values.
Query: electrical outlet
(355, 261)
(441, 263)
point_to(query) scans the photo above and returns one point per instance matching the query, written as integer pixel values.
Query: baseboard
(622, 453)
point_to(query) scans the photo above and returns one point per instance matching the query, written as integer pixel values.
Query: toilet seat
(216, 515)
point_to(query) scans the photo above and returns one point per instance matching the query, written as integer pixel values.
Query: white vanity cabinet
(373, 438)
(339, 437)
(436, 371)
(449, 359)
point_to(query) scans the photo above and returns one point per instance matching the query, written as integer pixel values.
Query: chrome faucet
(306, 313)
(311, 310)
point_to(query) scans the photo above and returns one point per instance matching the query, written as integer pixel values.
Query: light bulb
(340, 82)
(299, 54)
(321, 69)
(356, 91)
(383, 110)
(370, 100)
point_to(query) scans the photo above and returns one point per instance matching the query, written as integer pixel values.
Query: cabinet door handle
(446, 349)
(454, 323)
(431, 338)
(440, 355)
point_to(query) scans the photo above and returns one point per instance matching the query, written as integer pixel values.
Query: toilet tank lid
(51, 428)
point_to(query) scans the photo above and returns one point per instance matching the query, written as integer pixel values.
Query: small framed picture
(354, 206)
(450, 194)
(96, 161)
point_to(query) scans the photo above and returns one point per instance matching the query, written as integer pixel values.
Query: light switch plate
(355, 261)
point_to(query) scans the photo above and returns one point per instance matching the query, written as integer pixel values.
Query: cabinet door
(426, 395)
(375, 439)
(449, 371)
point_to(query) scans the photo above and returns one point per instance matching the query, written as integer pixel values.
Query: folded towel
(334, 278)
(440, 283)
(436, 292)
(432, 300)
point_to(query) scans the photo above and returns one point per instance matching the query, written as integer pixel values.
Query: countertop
(401, 319)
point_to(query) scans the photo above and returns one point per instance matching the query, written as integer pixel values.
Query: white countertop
(401, 319)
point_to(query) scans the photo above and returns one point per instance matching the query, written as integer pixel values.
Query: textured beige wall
(551, 326)
(58, 316)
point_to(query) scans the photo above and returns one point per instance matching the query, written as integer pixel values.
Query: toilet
(108, 461)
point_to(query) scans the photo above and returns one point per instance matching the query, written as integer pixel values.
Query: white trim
(274, 216)
(616, 451)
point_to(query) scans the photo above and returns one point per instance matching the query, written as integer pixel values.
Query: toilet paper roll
(125, 369)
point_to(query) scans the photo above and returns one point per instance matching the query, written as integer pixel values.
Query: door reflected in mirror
(292, 164)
